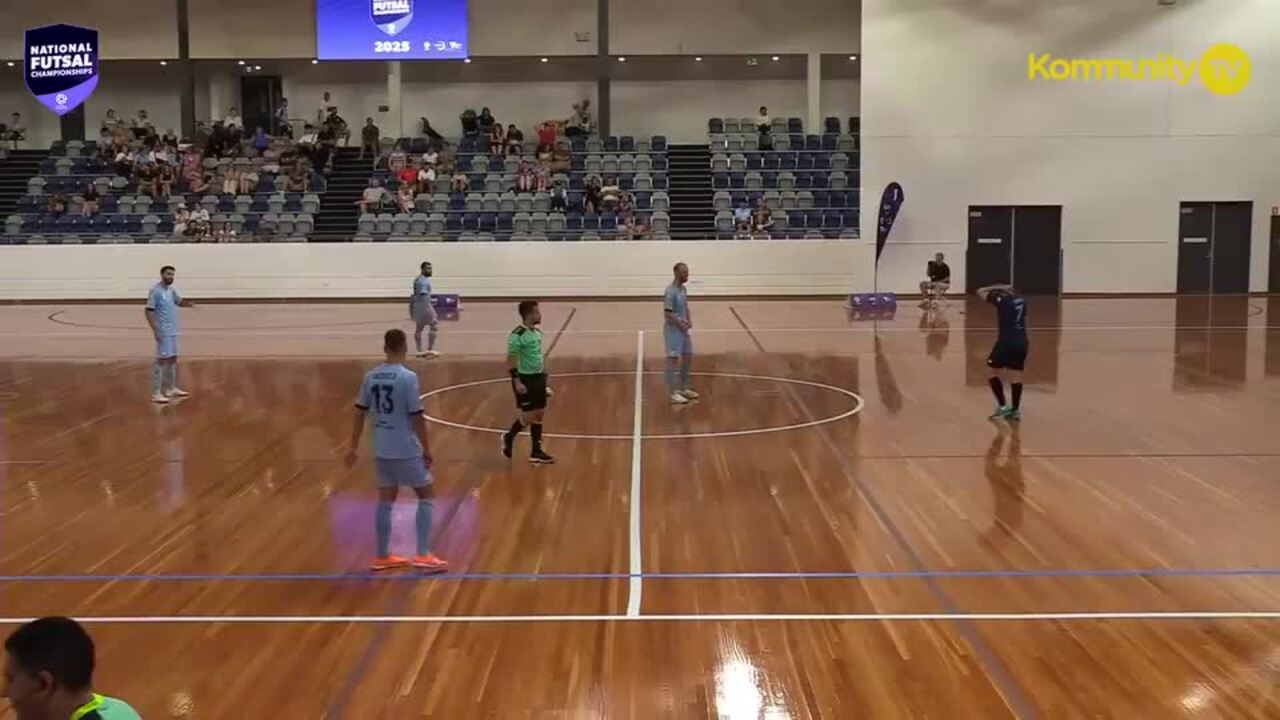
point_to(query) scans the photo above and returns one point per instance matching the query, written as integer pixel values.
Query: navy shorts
(1008, 355)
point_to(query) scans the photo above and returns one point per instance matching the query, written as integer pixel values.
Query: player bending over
(1010, 351)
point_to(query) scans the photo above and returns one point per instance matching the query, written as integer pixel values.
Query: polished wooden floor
(1115, 556)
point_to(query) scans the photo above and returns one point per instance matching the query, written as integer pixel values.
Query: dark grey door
(1273, 284)
(1232, 228)
(1195, 248)
(989, 260)
(1037, 249)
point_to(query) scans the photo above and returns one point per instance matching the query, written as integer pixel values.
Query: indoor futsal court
(834, 530)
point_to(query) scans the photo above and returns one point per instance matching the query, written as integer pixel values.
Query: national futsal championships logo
(1223, 69)
(391, 16)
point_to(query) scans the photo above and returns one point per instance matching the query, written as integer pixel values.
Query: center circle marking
(857, 407)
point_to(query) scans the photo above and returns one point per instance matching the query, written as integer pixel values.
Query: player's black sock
(535, 432)
(997, 388)
(516, 427)
(1017, 395)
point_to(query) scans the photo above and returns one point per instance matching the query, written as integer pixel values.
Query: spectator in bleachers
(231, 181)
(109, 121)
(326, 145)
(309, 137)
(524, 177)
(201, 137)
(370, 136)
(742, 220)
(282, 125)
(580, 123)
(404, 198)
(633, 227)
(591, 195)
(435, 139)
(181, 221)
(233, 118)
(560, 158)
(198, 224)
(427, 179)
(14, 131)
(261, 141)
(541, 178)
(164, 179)
(326, 103)
(546, 154)
(559, 198)
(764, 123)
(546, 133)
(497, 138)
(486, 121)
(408, 176)
(191, 169)
(336, 124)
(124, 159)
(226, 233)
(142, 126)
(159, 152)
(57, 205)
(398, 158)
(91, 200)
(371, 199)
(515, 140)
(217, 145)
(202, 183)
(470, 123)
(610, 194)
(460, 182)
(169, 139)
(763, 220)
(298, 180)
(145, 174)
(431, 157)
(249, 181)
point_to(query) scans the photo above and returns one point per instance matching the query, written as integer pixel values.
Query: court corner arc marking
(858, 405)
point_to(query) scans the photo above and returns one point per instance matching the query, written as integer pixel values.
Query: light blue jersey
(422, 288)
(677, 339)
(390, 393)
(164, 301)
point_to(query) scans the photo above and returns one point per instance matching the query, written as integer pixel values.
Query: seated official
(938, 282)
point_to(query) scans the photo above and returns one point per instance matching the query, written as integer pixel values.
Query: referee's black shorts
(1008, 355)
(534, 396)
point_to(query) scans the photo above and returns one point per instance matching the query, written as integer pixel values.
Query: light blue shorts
(678, 342)
(423, 313)
(167, 347)
(394, 472)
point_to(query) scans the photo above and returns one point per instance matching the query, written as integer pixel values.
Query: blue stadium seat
(658, 143)
(471, 222)
(626, 144)
(715, 126)
(611, 144)
(660, 163)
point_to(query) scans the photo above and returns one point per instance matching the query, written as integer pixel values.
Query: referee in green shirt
(528, 371)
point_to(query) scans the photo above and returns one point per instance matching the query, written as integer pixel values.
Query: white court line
(868, 328)
(636, 584)
(859, 403)
(710, 617)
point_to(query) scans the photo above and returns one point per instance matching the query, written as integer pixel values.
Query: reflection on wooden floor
(1115, 555)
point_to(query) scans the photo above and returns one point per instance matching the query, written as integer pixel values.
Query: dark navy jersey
(1011, 315)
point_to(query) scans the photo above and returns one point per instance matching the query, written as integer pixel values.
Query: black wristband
(513, 372)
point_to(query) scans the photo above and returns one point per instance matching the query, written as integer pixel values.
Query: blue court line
(801, 575)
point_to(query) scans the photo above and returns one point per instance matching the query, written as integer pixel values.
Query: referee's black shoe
(508, 441)
(539, 457)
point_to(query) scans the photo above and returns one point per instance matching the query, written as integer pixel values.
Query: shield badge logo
(391, 16)
(60, 65)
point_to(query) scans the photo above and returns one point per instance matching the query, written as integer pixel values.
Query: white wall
(730, 27)
(127, 29)
(104, 272)
(948, 112)
(125, 86)
(286, 28)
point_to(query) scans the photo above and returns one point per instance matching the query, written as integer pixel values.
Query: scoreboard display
(391, 29)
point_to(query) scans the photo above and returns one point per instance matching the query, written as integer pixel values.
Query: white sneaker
(178, 393)
(160, 399)
(689, 394)
(431, 354)
(678, 399)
